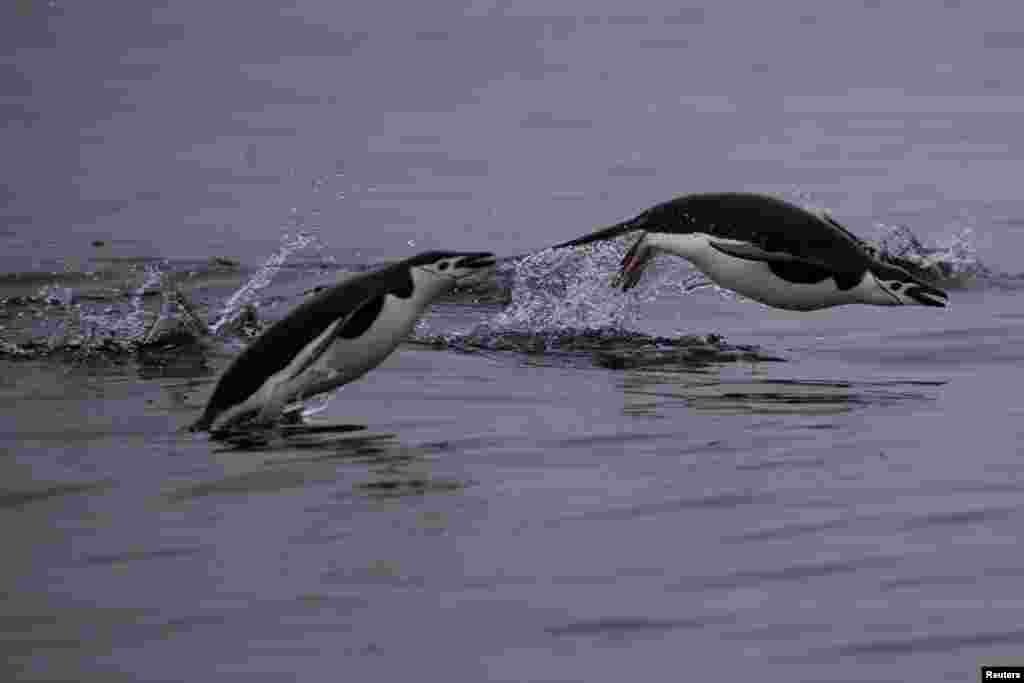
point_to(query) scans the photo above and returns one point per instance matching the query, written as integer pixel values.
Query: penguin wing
(351, 326)
(796, 269)
(348, 327)
(751, 252)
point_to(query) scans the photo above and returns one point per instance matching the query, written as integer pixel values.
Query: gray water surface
(850, 512)
(852, 515)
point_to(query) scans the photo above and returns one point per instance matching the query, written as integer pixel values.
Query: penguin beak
(927, 296)
(480, 259)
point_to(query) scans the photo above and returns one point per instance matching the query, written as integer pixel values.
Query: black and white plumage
(335, 337)
(768, 250)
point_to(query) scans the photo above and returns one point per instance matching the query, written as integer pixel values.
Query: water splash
(56, 295)
(808, 201)
(153, 279)
(62, 320)
(557, 289)
(560, 291)
(957, 256)
(59, 321)
(954, 259)
(63, 297)
(177, 321)
(563, 300)
(245, 297)
(112, 328)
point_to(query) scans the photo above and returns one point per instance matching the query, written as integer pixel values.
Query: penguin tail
(605, 234)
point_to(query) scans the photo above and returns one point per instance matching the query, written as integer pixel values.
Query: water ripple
(785, 531)
(133, 555)
(16, 499)
(727, 499)
(918, 581)
(392, 487)
(959, 517)
(792, 573)
(619, 627)
(259, 481)
(933, 643)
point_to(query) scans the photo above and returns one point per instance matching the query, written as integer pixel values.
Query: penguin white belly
(752, 279)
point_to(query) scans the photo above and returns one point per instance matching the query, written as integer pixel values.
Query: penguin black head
(452, 264)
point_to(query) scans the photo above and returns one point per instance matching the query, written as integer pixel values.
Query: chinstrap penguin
(768, 250)
(337, 336)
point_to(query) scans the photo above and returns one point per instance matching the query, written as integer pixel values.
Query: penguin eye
(443, 265)
(895, 286)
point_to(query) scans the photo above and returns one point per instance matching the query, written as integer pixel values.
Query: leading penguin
(768, 250)
(335, 337)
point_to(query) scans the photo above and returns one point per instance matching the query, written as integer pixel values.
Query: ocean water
(553, 481)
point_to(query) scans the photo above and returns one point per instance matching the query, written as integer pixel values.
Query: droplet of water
(57, 295)
(567, 288)
(246, 295)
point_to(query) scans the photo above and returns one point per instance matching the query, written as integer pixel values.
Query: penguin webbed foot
(292, 418)
(249, 420)
(633, 264)
(243, 427)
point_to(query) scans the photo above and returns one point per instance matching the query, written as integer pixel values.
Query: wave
(608, 348)
(952, 263)
(556, 302)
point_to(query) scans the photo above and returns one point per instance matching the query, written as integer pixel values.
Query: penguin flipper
(278, 393)
(351, 326)
(276, 397)
(796, 269)
(359, 320)
(752, 252)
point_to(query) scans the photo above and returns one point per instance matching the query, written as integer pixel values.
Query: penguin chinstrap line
(337, 336)
(768, 250)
